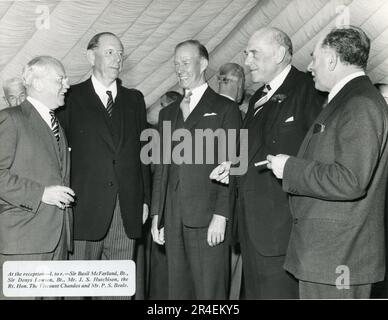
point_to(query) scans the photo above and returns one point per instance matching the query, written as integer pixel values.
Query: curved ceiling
(150, 29)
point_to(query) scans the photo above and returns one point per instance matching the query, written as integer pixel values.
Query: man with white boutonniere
(278, 117)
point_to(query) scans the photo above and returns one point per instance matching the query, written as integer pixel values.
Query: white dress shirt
(196, 95)
(101, 90)
(43, 111)
(342, 83)
(278, 81)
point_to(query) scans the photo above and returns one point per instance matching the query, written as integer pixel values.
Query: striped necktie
(109, 104)
(263, 99)
(54, 125)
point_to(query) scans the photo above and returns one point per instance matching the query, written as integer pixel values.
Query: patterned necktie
(185, 104)
(109, 104)
(264, 98)
(54, 125)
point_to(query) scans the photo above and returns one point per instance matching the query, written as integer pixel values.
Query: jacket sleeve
(144, 167)
(232, 121)
(20, 192)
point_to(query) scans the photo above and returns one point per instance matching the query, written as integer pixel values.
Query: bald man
(278, 117)
(14, 92)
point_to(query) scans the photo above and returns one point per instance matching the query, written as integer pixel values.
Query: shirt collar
(42, 109)
(279, 79)
(196, 95)
(342, 83)
(225, 95)
(101, 90)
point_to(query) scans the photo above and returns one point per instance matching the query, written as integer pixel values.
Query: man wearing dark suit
(338, 180)
(191, 209)
(35, 213)
(278, 117)
(103, 121)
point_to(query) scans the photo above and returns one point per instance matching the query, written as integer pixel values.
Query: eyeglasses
(225, 80)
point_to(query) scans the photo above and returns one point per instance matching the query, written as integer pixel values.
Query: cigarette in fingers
(261, 163)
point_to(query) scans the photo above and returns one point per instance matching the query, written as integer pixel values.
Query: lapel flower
(278, 98)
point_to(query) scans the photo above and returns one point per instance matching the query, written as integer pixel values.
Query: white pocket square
(210, 114)
(290, 119)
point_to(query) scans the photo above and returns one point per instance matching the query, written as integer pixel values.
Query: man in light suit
(279, 115)
(35, 200)
(103, 121)
(188, 209)
(338, 180)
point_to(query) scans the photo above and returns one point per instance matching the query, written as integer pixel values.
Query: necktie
(264, 98)
(109, 104)
(54, 125)
(185, 104)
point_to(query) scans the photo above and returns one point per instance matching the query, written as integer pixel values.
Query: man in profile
(337, 182)
(35, 198)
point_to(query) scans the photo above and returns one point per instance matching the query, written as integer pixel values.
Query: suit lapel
(271, 106)
(44, 133)
(330, 108)
(203, 106)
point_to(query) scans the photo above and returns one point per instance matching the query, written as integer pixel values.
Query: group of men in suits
(310, 203)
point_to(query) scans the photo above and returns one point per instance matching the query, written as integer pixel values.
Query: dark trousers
(311, 290)
(195, 270)
(60, 253)
(114, 246)
(264, 277)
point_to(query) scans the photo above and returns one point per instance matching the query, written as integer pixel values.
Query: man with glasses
(103, 121)
(14, 92)
(231, 81)
(35, 200)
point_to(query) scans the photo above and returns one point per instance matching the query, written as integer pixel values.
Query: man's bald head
(268, 52)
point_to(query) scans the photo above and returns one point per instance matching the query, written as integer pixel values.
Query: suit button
(114, 162)
(273, 141)
(295, 220)
(110, 184)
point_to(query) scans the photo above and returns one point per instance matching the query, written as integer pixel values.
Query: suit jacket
(106, 165)
(286, 118)
(201, 197)
(30, 160)
(337, 186)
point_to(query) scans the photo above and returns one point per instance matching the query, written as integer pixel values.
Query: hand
(59, 196)
(276, 164)
(145, 212)
(221, 172)
(157, 235)
(216, 230)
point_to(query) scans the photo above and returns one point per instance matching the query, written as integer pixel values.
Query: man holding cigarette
(278, 117)
(338, 180)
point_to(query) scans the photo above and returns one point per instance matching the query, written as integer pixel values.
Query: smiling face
(53, 86)
(189, 66)
(262, 57)
(14, 94)
(107, 59)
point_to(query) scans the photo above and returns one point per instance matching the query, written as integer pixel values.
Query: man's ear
(90, 56)
(280, 54)
(332, 60)
(37, 84)
(204, 64)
